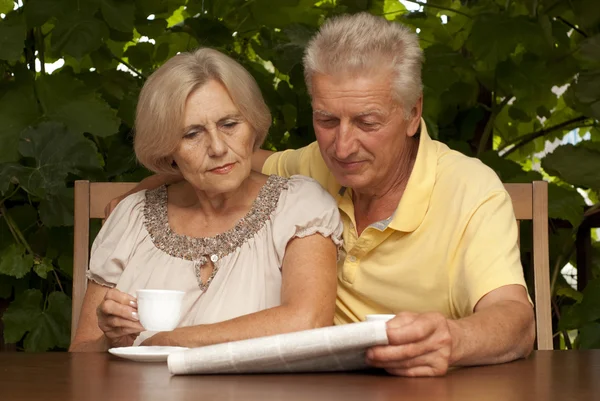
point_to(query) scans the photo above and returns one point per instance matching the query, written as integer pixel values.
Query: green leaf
(37, 12)
(12, 36)
(15, 262)
(590, 48)
(56, 152)
(151, 28)
(43, 267)
(589, 336)
(66, 99)
(487, 45)
(52, 327)
(45, 329)
(18, 109)
(51, 145)
(78, 36)
(21, 315)
(6, 6)
(565, 203)
(587, 311)
(569, 292)
(118, 14)
(57, 209)
(140, 55)
(576, 165)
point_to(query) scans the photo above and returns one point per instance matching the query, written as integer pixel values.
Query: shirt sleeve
(488, 253)
(305, 209)
(116, 241)
(306, 161)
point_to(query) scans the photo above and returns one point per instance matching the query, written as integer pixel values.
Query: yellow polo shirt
(451, 240)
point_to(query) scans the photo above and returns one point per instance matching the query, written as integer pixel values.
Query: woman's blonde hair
(362, 43)
(161, 105)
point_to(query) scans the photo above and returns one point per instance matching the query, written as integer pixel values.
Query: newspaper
(335, 348)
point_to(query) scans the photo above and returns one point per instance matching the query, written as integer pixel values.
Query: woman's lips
(224, 169)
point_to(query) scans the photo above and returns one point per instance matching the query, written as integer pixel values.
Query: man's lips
(224, 169)
(349, 165)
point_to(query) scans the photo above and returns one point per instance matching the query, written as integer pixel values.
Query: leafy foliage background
(502, 77)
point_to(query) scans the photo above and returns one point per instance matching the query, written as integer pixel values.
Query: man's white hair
(362, 43)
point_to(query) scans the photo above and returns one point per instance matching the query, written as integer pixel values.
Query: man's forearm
(499, 333)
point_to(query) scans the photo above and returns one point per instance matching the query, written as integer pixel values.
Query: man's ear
(415, 117)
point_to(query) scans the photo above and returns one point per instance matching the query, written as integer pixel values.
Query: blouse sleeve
(117, 240)
(304, 209)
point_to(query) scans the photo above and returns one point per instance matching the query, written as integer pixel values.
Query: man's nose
(345, 141)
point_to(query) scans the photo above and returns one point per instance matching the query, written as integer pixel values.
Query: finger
(381, 355)
(119, 332)
(434, 357)
(416, 331)
(109, 308)
(419, 371)
(121, 297)
(113, 323)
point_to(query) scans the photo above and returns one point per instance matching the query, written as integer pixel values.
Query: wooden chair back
(530, 202)
(90, 201)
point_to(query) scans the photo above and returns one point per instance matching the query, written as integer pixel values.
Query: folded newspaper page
(335, 348)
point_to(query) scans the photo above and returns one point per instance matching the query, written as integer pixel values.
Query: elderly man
(429, 234)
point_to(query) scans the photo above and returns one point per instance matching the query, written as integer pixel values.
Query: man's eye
(368, 124)
(328, 123)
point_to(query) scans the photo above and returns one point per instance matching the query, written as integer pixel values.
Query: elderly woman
(255, 254)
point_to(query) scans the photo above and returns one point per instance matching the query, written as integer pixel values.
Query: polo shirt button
(352, 258)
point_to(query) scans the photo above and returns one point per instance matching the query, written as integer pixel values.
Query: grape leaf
(43, 267)
(118, 14)
(12, 36)
(15, 262)
(67, 99)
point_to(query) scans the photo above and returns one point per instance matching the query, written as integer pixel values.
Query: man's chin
(354, 181)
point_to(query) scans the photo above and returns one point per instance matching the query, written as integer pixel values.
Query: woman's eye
(230, 124)
(190, 135)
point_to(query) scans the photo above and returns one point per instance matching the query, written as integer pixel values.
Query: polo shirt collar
(415, 201)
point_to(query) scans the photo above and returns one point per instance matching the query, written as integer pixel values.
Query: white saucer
(145, 354)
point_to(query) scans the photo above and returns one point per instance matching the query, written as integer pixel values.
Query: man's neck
(380, 203)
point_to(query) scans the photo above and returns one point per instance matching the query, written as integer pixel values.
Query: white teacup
(379, 317)
(159, 310)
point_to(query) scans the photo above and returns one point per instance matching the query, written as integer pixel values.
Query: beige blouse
(136, 249)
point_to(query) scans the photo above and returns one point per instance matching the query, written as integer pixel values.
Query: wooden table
(546, 375)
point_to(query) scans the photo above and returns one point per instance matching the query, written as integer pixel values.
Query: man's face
(362, 132)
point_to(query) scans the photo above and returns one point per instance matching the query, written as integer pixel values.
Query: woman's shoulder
(304, 193)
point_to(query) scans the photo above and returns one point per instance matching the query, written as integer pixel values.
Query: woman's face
(216, 144)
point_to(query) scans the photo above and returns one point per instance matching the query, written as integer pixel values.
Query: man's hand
(151, 182)
(419, 345)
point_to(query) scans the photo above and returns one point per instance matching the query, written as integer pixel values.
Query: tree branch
(489, 127)
(524, 140)
(439, 8)
(570, 25)
(129, 66)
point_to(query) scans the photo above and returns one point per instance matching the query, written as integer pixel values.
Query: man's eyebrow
(323, 113)
(377, 112)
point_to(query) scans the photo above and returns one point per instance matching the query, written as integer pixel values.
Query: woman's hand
(160, 338)
(118, 318)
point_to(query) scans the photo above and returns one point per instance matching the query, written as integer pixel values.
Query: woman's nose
(217, 146)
